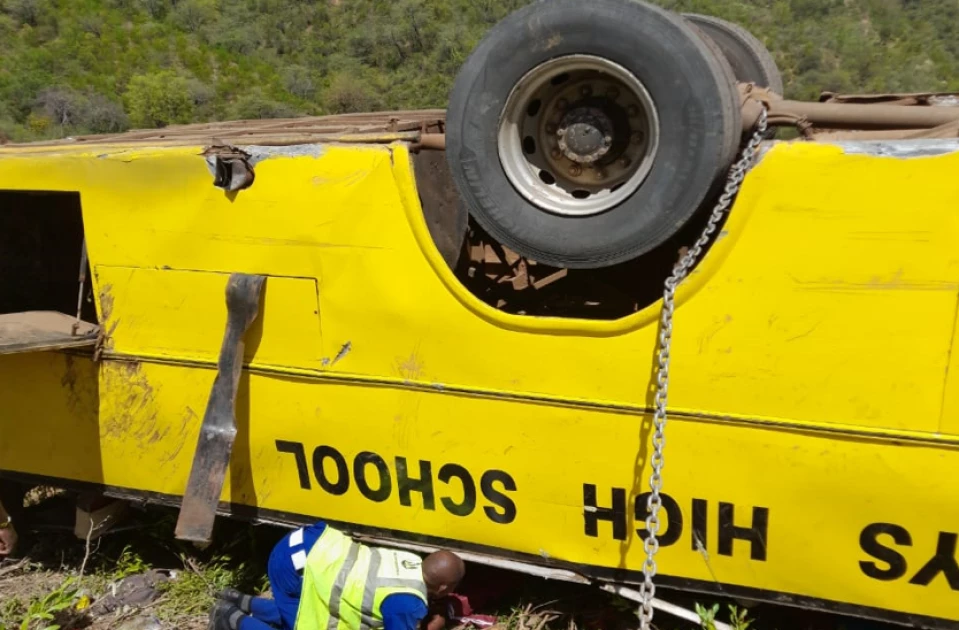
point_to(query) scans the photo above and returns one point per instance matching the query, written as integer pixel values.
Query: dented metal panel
(902, 148)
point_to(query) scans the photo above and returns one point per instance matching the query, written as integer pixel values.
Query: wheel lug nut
(562, 104)
(550, 128)
(586, 90)
(633, 111)
(556, 153)
(625, 162)
(608, 140)
(575, 170)
(638, 137)
(600, 174)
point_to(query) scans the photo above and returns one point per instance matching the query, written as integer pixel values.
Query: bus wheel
(585, 134)
(750, 60)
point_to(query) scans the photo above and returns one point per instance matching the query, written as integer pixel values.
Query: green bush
(192, 60)
(159, 99)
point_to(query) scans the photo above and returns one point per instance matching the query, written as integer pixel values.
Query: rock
(143, 622)
(134, 591)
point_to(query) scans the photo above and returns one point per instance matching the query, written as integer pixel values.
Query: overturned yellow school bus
(335, 318)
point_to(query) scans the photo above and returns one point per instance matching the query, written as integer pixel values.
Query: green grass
(737, 617)
(192, 593)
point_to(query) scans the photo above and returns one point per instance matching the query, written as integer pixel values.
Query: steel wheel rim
(578, 135)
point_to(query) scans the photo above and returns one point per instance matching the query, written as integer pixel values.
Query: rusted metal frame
(432, 141)
(933, 99)
(423, 129)
(883, 113)
(950, 130)
(218, 431)
(872, 116)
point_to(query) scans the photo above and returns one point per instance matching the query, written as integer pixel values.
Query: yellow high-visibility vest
(345, 582)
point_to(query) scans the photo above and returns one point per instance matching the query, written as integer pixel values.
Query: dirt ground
(58, 580)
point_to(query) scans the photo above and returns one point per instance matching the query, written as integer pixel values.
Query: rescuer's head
(442, 572)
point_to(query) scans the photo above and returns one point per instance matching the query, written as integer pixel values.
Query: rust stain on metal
(134, 420)
(106, 301)
(109, 325)
(189, 418)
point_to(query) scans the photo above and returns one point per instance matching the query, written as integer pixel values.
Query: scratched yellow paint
(810, 362)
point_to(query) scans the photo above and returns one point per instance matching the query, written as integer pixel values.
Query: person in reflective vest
(322, 579)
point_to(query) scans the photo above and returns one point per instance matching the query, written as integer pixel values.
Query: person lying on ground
(321, 579)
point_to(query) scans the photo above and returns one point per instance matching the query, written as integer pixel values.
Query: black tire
(699, 119)
(750, 60)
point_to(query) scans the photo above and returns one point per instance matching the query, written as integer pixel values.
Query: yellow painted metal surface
(813, 444)
(178, 325)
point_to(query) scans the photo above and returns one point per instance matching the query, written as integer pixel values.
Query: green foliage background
(79, 66)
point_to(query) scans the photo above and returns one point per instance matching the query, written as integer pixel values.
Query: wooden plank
(38, 331)
(373, 127)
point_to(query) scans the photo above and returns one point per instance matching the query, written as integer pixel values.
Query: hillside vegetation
(80, 66)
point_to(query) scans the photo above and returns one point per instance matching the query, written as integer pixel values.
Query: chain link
(655, 502)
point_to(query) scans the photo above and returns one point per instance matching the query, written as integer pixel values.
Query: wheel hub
(578, 135)
(585, 135)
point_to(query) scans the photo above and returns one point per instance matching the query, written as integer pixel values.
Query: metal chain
(736, 176)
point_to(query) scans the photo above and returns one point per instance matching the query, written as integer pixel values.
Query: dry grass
(61, 575)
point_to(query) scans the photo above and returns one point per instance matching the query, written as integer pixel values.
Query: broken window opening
(42, 261)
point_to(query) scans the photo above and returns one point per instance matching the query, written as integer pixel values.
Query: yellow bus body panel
(811, 451)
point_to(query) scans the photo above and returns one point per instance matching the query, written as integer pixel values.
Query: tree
(255, 105)
(156, 8)
(361, 55)
(349, 94)
(192, 15)
(159, 99)
(298, 82)
(105, 116)
(26, 11)
(63, 106)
